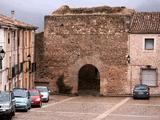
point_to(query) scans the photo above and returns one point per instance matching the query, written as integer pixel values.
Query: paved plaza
(94, 108)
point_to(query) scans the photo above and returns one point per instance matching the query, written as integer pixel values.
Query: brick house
(85, 49)
(144, 50)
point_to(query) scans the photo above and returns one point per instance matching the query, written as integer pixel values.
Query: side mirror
(49, 91)
(13, 100)
(29, 97)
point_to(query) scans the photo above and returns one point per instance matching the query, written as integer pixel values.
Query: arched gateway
(88, 80)
(89, 70)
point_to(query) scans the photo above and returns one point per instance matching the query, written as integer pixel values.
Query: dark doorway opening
(89, 80)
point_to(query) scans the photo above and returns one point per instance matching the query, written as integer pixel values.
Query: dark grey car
(7, 104)
(141, 91)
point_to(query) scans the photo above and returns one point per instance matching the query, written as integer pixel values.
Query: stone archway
(88, 80)
(73, 72)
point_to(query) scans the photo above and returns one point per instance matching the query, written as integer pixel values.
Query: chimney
(13, 14)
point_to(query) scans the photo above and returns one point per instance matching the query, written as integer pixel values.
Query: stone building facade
(144, 47)
(91, 41)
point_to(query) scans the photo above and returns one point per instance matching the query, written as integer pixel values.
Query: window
(149, 77)
(26, 38)
(8, 37)
(33, 67)
(0, 64)
(149, 43)
(14, 39)
(18, 38)
(1, 59)
(21, 67)
(10, 69)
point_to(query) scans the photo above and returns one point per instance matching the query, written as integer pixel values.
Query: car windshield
(141, 88)
(4, 97)
(20, 93)
(42, 89)
(34, 93)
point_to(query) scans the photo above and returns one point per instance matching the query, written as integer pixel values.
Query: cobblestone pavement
(94, 108)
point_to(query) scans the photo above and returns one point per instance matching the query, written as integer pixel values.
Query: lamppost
(128, 58)
(2, 54)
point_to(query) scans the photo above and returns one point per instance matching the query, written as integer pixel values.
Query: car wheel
(134, 97)
(26, 110)
(40, 105)
(148, 98)
(13, 113)
(10, 117)
(48, 100)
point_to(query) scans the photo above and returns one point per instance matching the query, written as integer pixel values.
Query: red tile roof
(9, 22)
(145, 23)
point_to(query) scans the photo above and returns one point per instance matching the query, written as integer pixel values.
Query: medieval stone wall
(72, 41)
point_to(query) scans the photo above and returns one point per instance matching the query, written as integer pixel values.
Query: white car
(44, 92)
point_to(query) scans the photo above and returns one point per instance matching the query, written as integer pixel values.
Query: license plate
(140, 93)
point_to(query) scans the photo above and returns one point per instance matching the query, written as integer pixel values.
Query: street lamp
(29, 57)
(2, 54)
(128, 58)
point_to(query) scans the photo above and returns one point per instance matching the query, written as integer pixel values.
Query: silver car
(7, 104)
(44, 92)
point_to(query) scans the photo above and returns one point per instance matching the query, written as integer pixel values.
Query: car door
(13, 101)
(29, 100)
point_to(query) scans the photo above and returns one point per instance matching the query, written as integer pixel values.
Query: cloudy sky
(33, 11)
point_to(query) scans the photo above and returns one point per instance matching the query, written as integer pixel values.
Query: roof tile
(146, 23)
(7, 21)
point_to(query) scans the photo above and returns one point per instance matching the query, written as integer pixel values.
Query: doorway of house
(89, 80)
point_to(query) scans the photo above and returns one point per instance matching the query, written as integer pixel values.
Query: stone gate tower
(85, 49)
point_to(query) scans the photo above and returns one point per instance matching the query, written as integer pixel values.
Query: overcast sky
(33, 11)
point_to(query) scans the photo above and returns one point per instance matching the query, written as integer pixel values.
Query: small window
(0, 64)
(149, 77)
(149, 43)
(18, 38)
(1, 59)
(14, 40)
(8, 37)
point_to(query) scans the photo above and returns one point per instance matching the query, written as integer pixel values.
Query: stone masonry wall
(71, 41)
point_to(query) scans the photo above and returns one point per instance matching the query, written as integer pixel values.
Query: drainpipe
(130, 66)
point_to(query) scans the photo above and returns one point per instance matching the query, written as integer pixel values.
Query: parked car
(141, 91)
(36, 97)
(45, 92)
(7, 104)
(23, 99)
